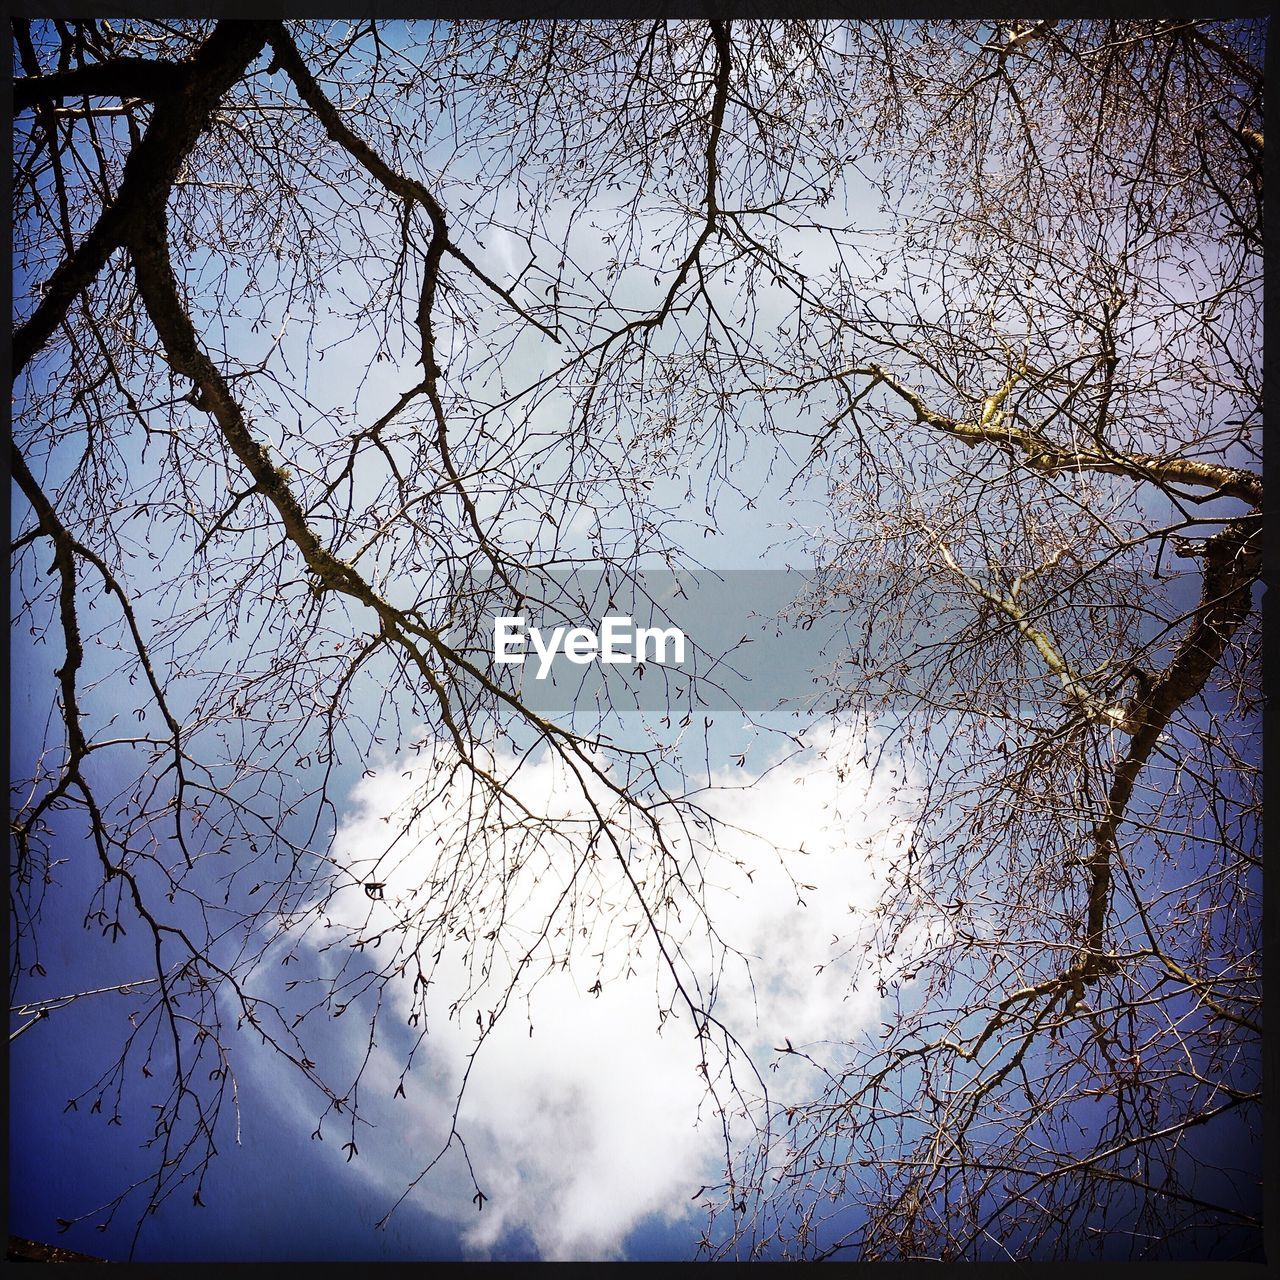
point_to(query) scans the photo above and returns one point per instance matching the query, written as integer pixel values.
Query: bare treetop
(331, 339)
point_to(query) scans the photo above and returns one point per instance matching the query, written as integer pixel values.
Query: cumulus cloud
(582, 1114)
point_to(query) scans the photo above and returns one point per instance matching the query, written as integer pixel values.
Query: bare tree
(285, 575)
(1045, 463)
(563, 277)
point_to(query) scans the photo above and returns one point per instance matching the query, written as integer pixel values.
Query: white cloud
(598, 1118)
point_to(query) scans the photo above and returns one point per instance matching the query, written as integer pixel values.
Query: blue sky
(585, 1116)
(63, 1162)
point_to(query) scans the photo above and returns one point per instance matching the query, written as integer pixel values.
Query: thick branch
(1043, 455)
(120, 78)
(64, 562)
(720, 98)
(161, 296)
(1232, 562)
(149, 173)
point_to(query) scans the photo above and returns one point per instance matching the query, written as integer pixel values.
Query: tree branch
(1043, 455)
(149, 174)
(407, 188)
(1232, 563)
(146, 78)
